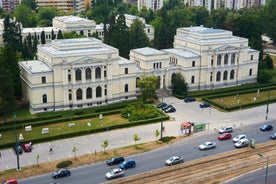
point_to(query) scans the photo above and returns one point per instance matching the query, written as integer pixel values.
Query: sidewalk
(124, 137)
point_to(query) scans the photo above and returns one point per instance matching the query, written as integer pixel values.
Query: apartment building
(150, 4)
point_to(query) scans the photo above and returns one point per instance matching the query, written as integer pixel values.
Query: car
(27, 147)
(239, 137)
(273, 136)
(161, 105)
(207, 145)
(10, 181)
(17, 148)
(170, 109)
(189, 99)
(266, 127)
(166, 107)
(115, 160)
(115, 173)
(242, 143)
(61, 173)
(204, 105)
(225, 136)
(227, 129)
(174, 160)
(129, 163)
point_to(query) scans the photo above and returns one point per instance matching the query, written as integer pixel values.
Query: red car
(27, 147)
(10, 181)
(225, 136)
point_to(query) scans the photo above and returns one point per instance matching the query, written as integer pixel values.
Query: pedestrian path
(124, 137)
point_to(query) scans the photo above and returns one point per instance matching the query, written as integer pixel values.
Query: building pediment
(88, 60)
(226, 47)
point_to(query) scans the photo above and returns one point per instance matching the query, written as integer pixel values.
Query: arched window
(193, 79)
(44, 98)
(232, 74)
(219, 60)
(250, 71)
(88, 93)
(98, 72)
(79, 94)
(81, 32)
(88, 74)
(126, 87)
(226, 59)
(78, 74)
(99, 91)
(233, 58)
(218, 76)
(225, 75)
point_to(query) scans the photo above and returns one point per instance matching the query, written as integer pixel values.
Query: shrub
(167, 139)
(63, 164)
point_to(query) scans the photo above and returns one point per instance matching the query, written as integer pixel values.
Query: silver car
(174, 160)
(207, 145)
(239, 137)
(115, 173)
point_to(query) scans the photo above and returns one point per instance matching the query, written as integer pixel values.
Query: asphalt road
(188, 148)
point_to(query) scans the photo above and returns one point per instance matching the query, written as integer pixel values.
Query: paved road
(123, 137)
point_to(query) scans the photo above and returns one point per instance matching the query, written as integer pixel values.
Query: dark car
(166, 107)
(273, 136)
(266, 127)
(204, 105)
(129, 163)
(161, 105)
(61, 173)
(115, 160)
(27, 147)
(225, 136)
(189, 99)
(17, 148)
(170, 109)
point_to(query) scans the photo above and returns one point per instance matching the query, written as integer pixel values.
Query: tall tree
(138, 37)
(42, 37)
(180, 86)
(30, 3)
(148, 86)
(53, 36)
(45, 16)
(269, 20)
(59, 35)
(25, 15)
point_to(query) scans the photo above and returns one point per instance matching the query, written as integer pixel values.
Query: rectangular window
(153, 65)
(251, 57)
(126, 70)
(70, 96)
(104, 73)
(105, 92)
(193, 63)
(43, 80)
(69, 77)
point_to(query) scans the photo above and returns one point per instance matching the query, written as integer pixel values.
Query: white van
(242, 143)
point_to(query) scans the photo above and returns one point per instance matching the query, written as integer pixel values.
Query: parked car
(161, 105)
(170, 109)
(227, 129)
(61, 173)
(239, 137)
(207, 145)
(174, 160)
(115, 160)
(166, 107)
(129, 163)
(17, 148)
(242, 143)
(10, 181)
(204, 105)
(115, 173)
(189, 99)
(225, 136)
(27, 147)
(273, 136)
(266, 127)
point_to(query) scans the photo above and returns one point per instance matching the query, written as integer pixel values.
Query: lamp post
(16, 144)
(268, 94)
(161, 133)
(266, 170)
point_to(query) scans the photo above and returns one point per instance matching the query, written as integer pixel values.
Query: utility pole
(161, 133)
(16, 144)
(268, 94)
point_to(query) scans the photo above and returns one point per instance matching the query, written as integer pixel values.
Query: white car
(227, 129)
(174, 160)
(207, 145)
(115, 173)
(239, 137)
(242, 143)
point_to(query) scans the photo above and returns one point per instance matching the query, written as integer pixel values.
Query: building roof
(182, 53)
(147, 51)
(35, 66)
(72, 19)
(38, 29)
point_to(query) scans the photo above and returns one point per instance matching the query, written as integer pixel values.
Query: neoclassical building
(84, 72)
(76, 73)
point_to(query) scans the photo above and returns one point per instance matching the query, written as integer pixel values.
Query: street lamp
(266, 170)
(161, 133)
(268, 94)
(16, 144)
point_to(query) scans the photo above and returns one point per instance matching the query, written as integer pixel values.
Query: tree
(30, 3)
(179, 85)
(138, 37)
(268, 19)
(264, 76)
(53, 36)
(74, 150)
(59, 35)
(42, 37)
(72, 34)
(105, 144)
(25, 15)
(269, 62)
(136, 138)
(37, 158)
(148, 86)
(156, 133)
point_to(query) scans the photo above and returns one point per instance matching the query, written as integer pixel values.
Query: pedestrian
(51, 149)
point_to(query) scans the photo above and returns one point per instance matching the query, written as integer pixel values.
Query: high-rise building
(150, 4)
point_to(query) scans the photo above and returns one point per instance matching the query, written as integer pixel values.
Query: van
(242, 143)
(130, 163)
